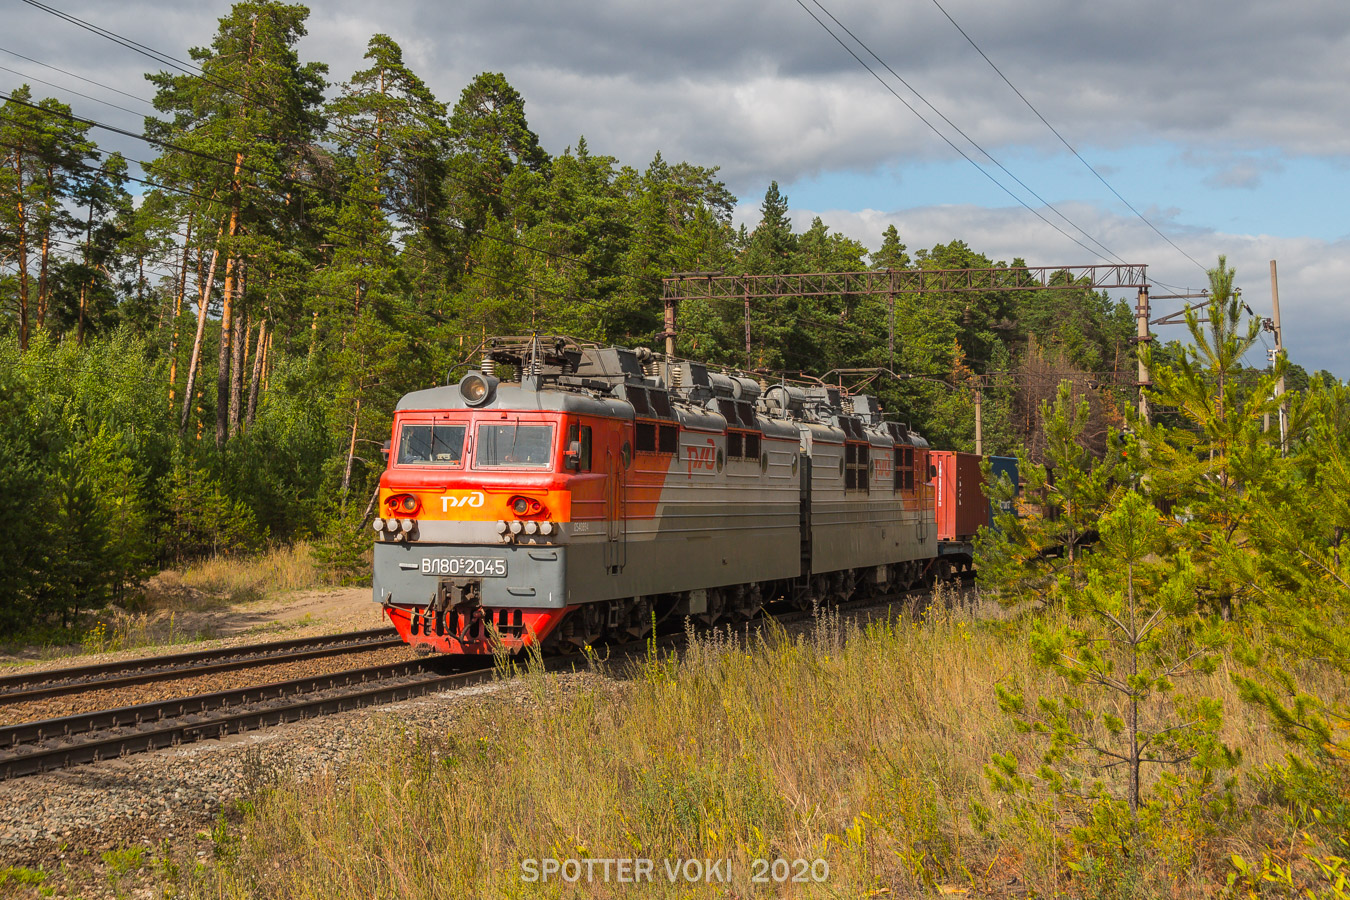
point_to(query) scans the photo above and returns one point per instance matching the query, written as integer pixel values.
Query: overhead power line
(948, 141)
(135, 46)
(506, 282)
(989, 156)
(58, 87)
(106, 87)
(1061, 137)
(177, 148)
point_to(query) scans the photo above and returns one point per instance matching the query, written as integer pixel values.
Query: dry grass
(862, 747)
(165, 614)
(238, 579)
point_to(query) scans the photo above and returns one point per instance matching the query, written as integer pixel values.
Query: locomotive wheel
(583, 627)
(845, 583)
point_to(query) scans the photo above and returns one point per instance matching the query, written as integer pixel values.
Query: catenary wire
(945, 139)
(196, 71)
(58, 87)
(1048, 205)
(1062, 139)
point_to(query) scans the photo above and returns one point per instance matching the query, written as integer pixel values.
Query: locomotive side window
(651, 437)
(431, 445)
(514, 446)
(742, 445)
(857, 465)
(904, 468)
(644, 437)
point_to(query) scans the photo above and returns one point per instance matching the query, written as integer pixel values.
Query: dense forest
(205, 359)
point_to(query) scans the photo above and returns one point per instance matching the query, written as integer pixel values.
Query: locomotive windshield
(431, 445)
(514, 446)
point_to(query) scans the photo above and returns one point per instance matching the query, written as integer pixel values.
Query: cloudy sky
(1225, 125)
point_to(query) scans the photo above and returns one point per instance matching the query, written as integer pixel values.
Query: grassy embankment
(862, 747)
(165, 610)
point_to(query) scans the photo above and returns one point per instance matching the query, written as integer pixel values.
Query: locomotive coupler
(464, 599)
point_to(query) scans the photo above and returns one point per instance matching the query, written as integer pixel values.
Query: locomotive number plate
(471, 566)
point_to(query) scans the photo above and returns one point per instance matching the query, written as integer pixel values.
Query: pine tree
(891, 254)
(1209, 448)
(245, 126)
(42, 151)
(1038, 557)
(1130, 633)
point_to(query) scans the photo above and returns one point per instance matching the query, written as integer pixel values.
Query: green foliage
(343, 549)
(1210, 451)
(1128, 633)
(1211, 542)
(201, 519)
(359, 247)
(1038, 558)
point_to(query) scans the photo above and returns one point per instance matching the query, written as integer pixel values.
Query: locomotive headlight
(545, 528)
(378, 524)
(403, 504)
(477, 388)
(517, 527)
(502, 527)
(521, 506)
(407, 525)
(532, 527)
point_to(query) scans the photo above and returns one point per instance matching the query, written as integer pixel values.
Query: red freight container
(961, 505)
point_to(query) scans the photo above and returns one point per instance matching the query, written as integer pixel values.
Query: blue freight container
(999, 466)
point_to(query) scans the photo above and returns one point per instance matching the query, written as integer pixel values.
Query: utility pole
(1276, 355)
(1142, 339)
(979, 422)
(747, 326)
(890, 340)
(670, 327)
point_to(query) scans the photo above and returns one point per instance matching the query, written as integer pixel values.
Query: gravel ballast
(62, 823)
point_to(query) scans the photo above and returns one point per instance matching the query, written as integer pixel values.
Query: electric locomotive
(566, 491)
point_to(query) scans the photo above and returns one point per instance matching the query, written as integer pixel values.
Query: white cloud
(764, 92)
(1244, 86)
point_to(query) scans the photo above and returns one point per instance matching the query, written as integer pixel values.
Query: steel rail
(34, 747)
(58, 682)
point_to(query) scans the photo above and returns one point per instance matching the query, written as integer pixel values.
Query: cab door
(616, 547)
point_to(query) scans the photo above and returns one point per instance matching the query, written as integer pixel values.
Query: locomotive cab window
(431, 445)
(514, 446)
(580, 437)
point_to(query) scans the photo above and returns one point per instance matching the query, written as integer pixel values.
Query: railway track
(57, 682)
(32, 747)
